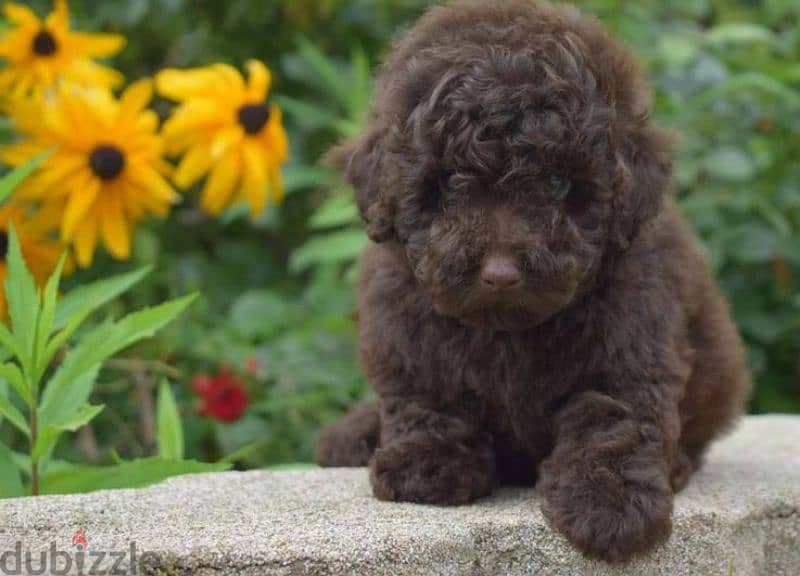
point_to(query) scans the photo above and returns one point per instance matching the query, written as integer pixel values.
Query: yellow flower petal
(254, 180)
(194, 165)
(135, 99)
(20, 14)
(182, 85)
(258, 81)
(116, 234)
(232, 81)
(194, 116)
(59, 17)
(152, 184)
(220, 184)
(97, 45)
(79, 203)
(276, 186)
(86, 241)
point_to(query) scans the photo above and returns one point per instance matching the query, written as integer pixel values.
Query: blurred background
(276, 306)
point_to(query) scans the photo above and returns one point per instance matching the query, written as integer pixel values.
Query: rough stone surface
(740, 515)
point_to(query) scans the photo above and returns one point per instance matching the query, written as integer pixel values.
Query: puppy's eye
(559, 187)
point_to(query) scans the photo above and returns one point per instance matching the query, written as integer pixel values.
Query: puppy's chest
(519, 378)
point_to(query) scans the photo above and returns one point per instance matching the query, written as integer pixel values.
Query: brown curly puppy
(531, 309)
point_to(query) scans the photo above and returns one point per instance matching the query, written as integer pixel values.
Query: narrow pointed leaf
(45, 320)
(50, 434)
(8, 341)
(13, 375)
(81, 418)
(45, 442)
(332, 78)
(125, 475)
(23, 299)
(84, 300)
(10, 478)
(170, 428)
(13, 415)
(13, 179)
(67, 389)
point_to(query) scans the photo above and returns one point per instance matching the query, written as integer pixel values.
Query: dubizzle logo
(79, 539)
(80, 561)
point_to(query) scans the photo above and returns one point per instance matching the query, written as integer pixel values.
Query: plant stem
(34, 461)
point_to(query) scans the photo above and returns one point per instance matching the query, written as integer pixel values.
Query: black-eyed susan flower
(40, 251)
(39, 53)
(225, 130)
(106, 171)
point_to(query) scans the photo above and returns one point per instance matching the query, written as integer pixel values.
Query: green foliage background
(726, 75)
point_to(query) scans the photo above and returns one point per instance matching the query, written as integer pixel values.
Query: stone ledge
(740, 515)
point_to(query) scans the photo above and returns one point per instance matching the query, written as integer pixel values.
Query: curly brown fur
(531, 307)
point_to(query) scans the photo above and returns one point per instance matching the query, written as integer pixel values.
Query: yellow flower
(40, 53)
(107, 170)
(225, 129)
(41, 253)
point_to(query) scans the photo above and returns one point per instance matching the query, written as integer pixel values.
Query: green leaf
(10, 478)
(730, 164)
(23, 300)
(13, 375)
(13, 415)
(259, 314)
(338, 210)
(45, 442)
(361, 94)
(170, 428)
(330, 74)
(7, 340)
(69, 388)
(298, 177)
(81, 418)
(84, 300)
(10, 181)
(738, 33)
(314, 117)
(293, 466)
(45, 321)
(132, 474)
(340, 246)
(23, 464)
(245, 452)
(742, 83)
(50, 433)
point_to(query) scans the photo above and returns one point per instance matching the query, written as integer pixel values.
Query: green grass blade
(170, 428)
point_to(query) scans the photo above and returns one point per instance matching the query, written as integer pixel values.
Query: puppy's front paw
(607, 518)
(431, 473)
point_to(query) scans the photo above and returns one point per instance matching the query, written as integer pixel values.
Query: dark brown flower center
(107, 161)
(253, 117)
(44, 44)
(3, 245)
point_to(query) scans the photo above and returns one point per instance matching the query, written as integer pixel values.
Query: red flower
(223, 396)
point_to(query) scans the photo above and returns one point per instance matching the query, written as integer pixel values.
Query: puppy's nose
(500, 272)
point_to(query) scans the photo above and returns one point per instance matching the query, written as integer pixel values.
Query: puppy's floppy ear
(644, 169)
(362, 160)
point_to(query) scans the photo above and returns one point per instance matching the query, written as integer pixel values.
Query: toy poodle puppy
(531, 309)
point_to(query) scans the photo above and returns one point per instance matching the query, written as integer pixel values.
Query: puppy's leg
(430, 454)
(607, 483)
(352, 440)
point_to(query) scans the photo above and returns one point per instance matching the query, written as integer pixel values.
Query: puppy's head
(509, 154)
